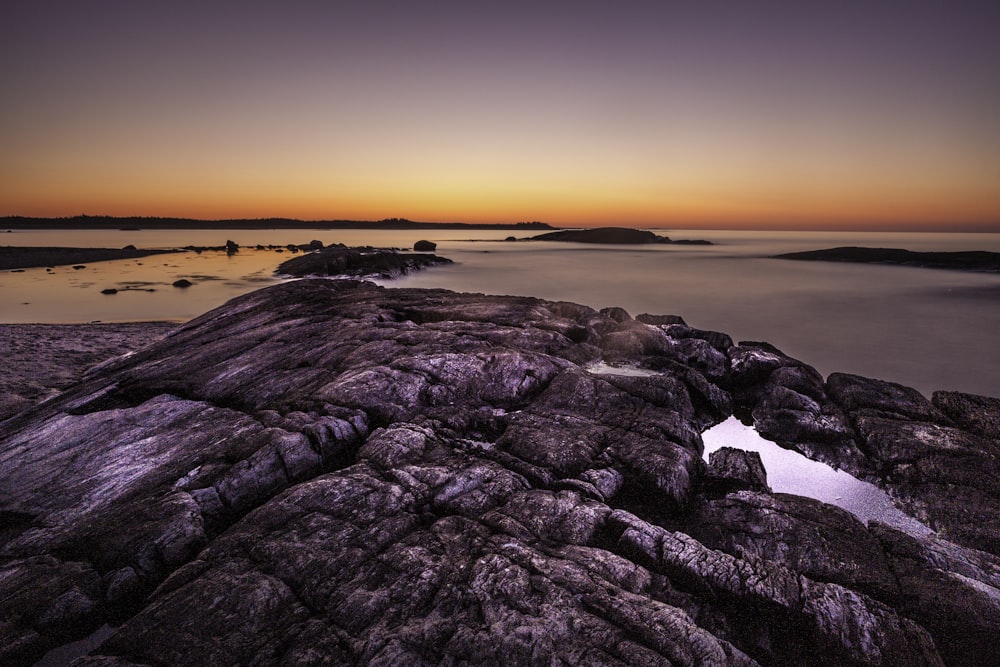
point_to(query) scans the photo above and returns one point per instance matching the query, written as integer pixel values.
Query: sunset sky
(836, 115)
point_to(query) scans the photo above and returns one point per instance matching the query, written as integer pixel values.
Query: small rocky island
(971, 260)
(611, 235)
(342, 261)
(331, 472)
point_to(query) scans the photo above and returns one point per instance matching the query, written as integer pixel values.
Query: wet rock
(424, 246)
(109, 290)
(183, 282)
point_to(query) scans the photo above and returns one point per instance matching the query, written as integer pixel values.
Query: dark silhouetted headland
(972, 260)
(615, 235)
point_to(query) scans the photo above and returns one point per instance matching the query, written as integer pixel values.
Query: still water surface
(790, 472)
(930, 329)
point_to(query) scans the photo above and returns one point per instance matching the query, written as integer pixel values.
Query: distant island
(135, 222)
(971, 260)
(615, 235)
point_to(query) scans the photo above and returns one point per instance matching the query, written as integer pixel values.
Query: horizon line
(881, 227)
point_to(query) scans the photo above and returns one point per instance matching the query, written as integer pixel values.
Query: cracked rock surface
(330, 472)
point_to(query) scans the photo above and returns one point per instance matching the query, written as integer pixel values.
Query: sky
(833, 115)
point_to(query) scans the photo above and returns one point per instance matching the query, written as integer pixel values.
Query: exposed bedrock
(329, 472)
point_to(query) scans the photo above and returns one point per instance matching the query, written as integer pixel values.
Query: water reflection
(790, 472)
(929, 329)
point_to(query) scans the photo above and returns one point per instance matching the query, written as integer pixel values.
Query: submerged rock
(332, 472)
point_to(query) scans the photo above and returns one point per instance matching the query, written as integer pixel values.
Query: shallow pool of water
(791, 472)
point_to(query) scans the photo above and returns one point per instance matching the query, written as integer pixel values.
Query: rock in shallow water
(327, 471)
(339, 260)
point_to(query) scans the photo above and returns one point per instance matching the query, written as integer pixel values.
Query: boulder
(730, 468)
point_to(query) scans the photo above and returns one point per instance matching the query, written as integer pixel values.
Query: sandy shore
(42, 359)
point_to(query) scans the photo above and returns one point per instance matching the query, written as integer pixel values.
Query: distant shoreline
(140, 223)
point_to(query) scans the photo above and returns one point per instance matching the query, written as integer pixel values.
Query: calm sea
(930, 329)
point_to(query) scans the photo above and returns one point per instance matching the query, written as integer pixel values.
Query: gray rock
(731, 469)
(648, 318)
(953, 590)
(818, 540)
(976, 414)
(332, 472)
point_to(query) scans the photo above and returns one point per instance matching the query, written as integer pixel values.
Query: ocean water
(926, 328)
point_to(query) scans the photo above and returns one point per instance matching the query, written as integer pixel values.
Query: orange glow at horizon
(651, 118)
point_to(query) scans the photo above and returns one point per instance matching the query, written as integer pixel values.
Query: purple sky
(779, 114)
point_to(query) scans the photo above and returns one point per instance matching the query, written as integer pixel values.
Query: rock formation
(339, 260)
(329, 472)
